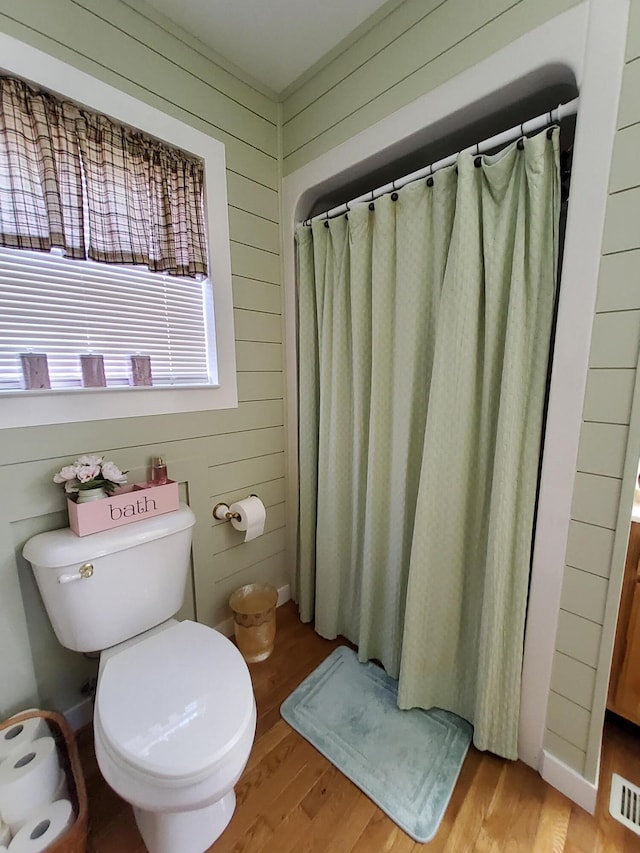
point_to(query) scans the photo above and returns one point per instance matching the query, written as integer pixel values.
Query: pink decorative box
(127, 504)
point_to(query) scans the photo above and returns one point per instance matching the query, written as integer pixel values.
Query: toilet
(175, 714)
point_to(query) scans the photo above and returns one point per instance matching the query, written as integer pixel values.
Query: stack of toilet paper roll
(35, 810)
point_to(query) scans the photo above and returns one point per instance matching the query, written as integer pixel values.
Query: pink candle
(35, 370)
(93, 371)
(141, 370)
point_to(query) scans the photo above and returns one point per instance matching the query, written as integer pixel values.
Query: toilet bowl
(175, 715)
(174, 723)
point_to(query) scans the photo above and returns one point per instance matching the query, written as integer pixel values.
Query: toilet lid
(174, 704)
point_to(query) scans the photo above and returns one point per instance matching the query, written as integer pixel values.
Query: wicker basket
(75, 838)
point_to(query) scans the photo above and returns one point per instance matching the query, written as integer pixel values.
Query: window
(51, 304)
(168, 317)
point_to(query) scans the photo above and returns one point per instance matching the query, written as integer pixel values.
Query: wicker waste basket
(74, 839)
(254, 619)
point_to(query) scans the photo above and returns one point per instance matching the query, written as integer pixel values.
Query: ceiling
(274, 41)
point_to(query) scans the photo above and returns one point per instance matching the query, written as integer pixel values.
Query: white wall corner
(568, 782)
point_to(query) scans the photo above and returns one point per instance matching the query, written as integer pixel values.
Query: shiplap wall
(578, 665)
(414, 48)
(215, 455)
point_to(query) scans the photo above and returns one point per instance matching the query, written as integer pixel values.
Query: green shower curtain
(424, 331)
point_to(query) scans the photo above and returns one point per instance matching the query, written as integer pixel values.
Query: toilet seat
(175, 704)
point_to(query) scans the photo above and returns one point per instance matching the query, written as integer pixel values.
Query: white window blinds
(51, 304)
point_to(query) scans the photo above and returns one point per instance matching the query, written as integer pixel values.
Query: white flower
(67, 473)
(84, 473)
(112, 473)
(88, 472)
(91, 461)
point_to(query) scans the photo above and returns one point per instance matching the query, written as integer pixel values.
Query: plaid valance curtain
(60, 164)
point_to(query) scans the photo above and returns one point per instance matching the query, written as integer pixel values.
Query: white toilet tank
(137, 576)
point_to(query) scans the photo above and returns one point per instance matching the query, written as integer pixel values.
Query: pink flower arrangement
(90, 472)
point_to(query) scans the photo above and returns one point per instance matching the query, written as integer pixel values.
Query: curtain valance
(78, 180)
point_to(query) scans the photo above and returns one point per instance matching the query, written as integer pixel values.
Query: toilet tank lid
(57, 548)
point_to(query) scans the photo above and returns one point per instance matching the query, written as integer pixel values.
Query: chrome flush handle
(85, 571)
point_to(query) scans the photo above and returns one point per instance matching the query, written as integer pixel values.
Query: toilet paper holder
(221, 510)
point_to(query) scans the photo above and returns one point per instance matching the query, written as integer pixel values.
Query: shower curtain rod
(520, 130)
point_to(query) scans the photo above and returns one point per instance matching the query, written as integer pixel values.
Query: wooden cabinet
(624, 685)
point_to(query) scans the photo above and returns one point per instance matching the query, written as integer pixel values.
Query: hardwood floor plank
(359, 816)
(515, 808)
(405, 844)
(290, 799)
(472, 815)
(254, 838)
(291, 831)
(553, 825)
(380, 834)
(337, 797)
(258, 790)
(465, 781)
(265, 744)
(295, 792)
(583, 835)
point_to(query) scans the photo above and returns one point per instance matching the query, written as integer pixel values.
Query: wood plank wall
(215, 455)
(411, 50)
(579, 673)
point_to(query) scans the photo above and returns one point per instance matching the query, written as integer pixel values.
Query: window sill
(73, 405)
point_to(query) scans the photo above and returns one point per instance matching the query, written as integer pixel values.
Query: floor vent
(624, 803)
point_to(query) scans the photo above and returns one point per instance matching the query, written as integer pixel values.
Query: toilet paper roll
(252, 517)
(45, 827)
(28, 781)
(15, 737)
(5, 835)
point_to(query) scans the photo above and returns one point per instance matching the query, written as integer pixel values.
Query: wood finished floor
(292, 800)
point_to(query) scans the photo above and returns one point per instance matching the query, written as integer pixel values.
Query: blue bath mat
(407, 762)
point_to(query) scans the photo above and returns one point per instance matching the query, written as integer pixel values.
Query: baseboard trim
(569, 782)
(226, 627)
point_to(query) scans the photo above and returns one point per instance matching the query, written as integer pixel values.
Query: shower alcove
(580, 52)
